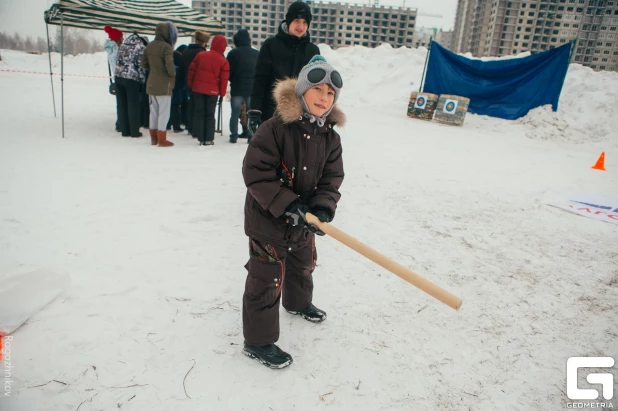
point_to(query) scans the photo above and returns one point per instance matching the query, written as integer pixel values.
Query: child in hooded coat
(293, 166)
(208, 75)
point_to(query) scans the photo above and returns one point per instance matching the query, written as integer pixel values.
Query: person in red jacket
(208, 76)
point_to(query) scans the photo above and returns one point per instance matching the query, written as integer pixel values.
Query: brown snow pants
(273, 271)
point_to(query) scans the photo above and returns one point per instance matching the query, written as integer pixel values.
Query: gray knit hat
(318, 71)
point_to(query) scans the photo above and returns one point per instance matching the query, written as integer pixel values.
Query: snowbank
(384, 77)
(154, 244)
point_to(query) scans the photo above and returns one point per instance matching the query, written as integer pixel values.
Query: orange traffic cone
(600, 165)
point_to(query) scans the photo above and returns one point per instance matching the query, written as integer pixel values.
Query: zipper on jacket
(290, 175)
(315, 165)
(300, 163)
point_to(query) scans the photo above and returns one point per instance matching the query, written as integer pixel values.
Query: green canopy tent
(135, 16)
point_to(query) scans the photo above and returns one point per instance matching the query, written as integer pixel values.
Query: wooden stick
(380, 259)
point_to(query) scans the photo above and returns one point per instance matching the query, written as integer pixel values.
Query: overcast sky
(26, 16)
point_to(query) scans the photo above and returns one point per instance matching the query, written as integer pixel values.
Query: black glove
(322, 214)
(295, 213)
(254, 120)
(314, 229)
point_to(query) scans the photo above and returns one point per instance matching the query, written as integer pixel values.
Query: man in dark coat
(177, 94)
(281, 56)
(201, 38)
(242, 61)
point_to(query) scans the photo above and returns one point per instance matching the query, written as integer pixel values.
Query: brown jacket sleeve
(326, 195)
(259, 171)
(168, 58)
(144, 63)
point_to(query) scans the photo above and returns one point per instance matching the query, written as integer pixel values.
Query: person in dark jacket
(145, 104)
(208, 76)
(158, 60)
(184, 104)
(130, 78)
(242, 61)
(177, 94)
(293, 166)
(281, 56)
(201, 38)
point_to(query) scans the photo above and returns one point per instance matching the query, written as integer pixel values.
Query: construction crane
(429, 15)
(377, 3)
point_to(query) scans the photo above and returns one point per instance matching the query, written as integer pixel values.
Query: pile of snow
(153, 242)
(586, 111)
(384, 77)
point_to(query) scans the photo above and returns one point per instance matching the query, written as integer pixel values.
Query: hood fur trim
(290, 108)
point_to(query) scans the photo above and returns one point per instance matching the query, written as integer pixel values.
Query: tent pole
(62, 68)
(425, 65)
(221, 114)
(573, 45)
(51, 78)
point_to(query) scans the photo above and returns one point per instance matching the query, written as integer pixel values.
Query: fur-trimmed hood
(290, 108)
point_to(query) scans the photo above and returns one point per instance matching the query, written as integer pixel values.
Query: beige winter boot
(154, 139)
(162, 137)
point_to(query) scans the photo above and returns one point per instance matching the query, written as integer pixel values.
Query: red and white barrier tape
(55, 74)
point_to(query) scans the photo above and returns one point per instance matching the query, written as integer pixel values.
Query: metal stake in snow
(62, 69)
(51, 78)
(395, 268)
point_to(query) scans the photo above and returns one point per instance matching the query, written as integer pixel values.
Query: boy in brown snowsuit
(293, 166)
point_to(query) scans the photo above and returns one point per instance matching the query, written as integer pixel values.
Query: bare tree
(95, 45)
(41, 45)
(28, 44)
(4, 41)
(82, 44)
(18, 42)
(76, 41)
(66, 42)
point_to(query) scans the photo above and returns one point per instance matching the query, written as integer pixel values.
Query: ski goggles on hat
(317, 74)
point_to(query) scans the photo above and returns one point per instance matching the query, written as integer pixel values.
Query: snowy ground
(153, 242)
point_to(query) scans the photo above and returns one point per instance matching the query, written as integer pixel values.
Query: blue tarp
(499, 88)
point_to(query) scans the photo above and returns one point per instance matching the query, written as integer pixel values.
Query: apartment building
(424, 35)
(336, 24)
(445, 38)
(505, 27)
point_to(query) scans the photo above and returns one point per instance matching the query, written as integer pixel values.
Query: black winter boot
(270, 355)
(311, 313)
